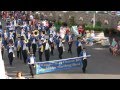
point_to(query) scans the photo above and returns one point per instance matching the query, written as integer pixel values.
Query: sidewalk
(77, 76)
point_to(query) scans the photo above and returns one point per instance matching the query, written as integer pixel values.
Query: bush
(88, 27)
(96, 28)
(58, 24)
(98, 23)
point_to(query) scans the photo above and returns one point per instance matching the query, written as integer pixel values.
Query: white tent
(2, 67)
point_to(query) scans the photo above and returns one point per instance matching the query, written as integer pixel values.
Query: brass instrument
(0, 39)
(18, 35)
(63, 40)
(25, 39)
(35, 33)
(18, 48)
(41, 48)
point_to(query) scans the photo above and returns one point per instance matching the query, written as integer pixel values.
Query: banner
(58, 65)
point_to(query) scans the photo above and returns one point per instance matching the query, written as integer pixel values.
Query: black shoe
(84, 72)
(71, 53)
(32, 76)
(11, 65)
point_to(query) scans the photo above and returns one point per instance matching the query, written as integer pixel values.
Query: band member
(53, 30)
(60, 48)
(10, 53)
(29, 41)
(34, 45)
(51, 41)
(39, 27)
(69, 39)
(18, 48)
(22, 33)
(41, 48)
(47, 50)
(31, 62)
(84, 59)
(28, 35)
(11, 36)
(5, 36)
(79, 46)
(24, 50)
(14, 34)
(41, 35)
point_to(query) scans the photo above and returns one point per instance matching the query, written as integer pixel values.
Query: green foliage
(96, 28)
(58, 25)
(98, 23)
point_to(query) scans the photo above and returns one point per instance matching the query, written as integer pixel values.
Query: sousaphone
(36, 33)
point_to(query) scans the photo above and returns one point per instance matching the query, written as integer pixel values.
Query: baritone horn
(36, 33)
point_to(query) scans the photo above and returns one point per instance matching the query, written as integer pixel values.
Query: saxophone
(41, 48)
(18, 48)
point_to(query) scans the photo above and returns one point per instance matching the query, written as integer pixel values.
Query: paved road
(101, 65)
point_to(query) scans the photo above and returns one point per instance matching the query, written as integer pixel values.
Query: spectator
(19, 75)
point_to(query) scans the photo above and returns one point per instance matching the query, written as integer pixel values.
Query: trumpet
(36, 33)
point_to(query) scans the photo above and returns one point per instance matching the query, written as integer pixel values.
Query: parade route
(101, 65)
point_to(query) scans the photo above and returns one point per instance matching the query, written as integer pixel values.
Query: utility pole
(94, 18)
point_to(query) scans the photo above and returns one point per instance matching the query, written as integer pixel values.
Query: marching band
(38, 37)
(32, 38)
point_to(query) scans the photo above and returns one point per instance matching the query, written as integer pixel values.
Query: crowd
(28, 37)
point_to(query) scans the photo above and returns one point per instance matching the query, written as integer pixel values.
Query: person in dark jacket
(84, 54)
(47, 50)
(69, 39)
(79, 46)
(34, 44)
(31, 62)
(10, 49)
(18, 44)
(60, 48)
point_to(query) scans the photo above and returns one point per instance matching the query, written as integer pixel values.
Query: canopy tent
(2, 67)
